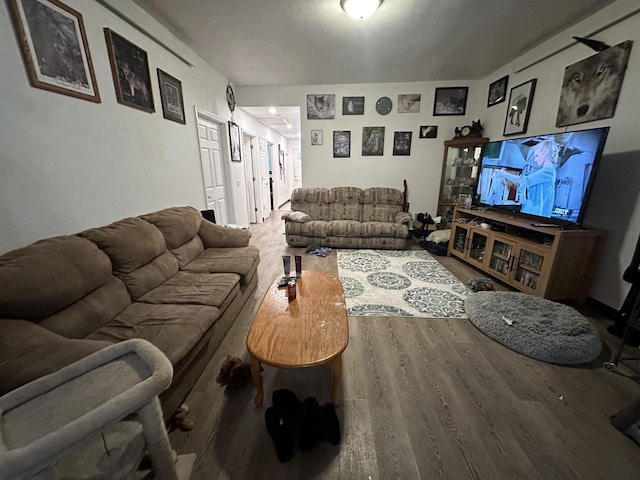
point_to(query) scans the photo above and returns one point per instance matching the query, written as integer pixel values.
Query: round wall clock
(383, 105)
(231, 98)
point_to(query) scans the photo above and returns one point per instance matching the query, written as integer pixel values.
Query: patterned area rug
(399, 283)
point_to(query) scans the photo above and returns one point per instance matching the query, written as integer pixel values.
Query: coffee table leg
(337, 375)
(257, 379)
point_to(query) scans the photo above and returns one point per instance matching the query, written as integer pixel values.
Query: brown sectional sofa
(348, 217)
(169, 277)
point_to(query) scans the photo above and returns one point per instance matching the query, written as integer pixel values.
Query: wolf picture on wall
(590, 87)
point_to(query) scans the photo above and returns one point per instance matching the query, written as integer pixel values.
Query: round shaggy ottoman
(535, 327)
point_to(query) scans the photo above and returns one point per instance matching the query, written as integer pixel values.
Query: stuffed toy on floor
(480, 284)
(234, 373)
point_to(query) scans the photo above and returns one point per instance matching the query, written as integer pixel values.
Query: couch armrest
(217, 236)
(403, 217)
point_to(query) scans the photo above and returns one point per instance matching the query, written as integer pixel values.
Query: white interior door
(250, 177)
(265, 196)
(213, 169)
(297, 168)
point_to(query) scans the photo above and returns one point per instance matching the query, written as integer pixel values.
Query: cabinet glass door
(459, 240)
(500, 258)
(528, 269)
(478, 247)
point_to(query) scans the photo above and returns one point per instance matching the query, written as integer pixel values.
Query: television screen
(545, 175)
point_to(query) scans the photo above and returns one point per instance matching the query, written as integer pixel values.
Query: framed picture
(585, 101)
(409, 103)
(520, 99)
(341, 143)
(429, 131)
(372, 141)
(497, 91)
(462, 198)
(352, 105)
(402, 143)
(54, 48)
(171, 97)
(130, 71)
(316, 137)
(321, 107)
(234, 140)
(281, 162)
(450, 101)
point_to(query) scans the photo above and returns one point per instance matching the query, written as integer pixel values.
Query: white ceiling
(314, 42)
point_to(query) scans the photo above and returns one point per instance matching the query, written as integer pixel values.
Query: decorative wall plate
(231, 98)
(383, 105)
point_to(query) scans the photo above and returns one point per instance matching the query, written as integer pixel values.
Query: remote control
(544, 225)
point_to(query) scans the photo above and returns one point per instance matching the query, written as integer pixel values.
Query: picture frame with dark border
(516, 119)
(372, 141)
(321, 106)
(450, 101)
(234, 142)
(428, 131)
(409, 103)
(171, 97)
(341, 143)
(497, 91)
(352, 105)
(316, 137)
(54, 47)
(130, 71)
(402, 143)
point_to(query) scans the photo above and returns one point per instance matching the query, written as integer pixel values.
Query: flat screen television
(548, 176)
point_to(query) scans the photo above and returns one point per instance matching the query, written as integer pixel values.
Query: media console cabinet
(550, 262)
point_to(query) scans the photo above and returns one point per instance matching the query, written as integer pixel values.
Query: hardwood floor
(422, 399)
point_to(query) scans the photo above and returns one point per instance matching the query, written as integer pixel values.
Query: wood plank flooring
(423, 399)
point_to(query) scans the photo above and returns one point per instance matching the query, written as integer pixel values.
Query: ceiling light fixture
(360, 9)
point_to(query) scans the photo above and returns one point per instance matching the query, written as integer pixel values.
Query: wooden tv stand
(545, 261)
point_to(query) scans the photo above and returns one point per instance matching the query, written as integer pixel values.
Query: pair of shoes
(317, 423)
(282, 422)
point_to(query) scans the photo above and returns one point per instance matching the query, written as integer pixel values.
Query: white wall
(68, 164)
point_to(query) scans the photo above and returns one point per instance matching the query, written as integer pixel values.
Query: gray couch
(347, 217)
(169, 277)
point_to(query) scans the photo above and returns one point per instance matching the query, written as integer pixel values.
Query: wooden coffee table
(311, 330)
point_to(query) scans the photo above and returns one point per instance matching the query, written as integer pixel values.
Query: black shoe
(329, 424)
(281, 432)
(308, 430)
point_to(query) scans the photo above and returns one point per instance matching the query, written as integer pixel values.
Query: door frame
(252, 175)
(226, 152)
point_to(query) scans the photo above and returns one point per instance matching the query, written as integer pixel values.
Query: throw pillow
(299, 217)
(439, 236)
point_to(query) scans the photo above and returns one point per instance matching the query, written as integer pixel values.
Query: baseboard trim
(284, 203)
(602, 308)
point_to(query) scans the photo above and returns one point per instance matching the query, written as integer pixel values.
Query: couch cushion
(178, 225)
(346, 204)
(240, 260)
(49, 275)
(383, 195)
(29, 351)
(314, 228)
(213, 289)
(138, 253)
(384, 229)
(174, 329)
(314, 201)
(344, 228)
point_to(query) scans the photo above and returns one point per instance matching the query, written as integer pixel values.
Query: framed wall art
(402, 143)
(321, 107)
(234, 141)
(130, 71)
(171, 97)
(372, 141)
(316, 137)
(519, 108)
(409, 103)
(497, 91)
(428, 131)
(54, 48)
(450, 101)
(590, 87)
(352, 105)
(341, 144)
